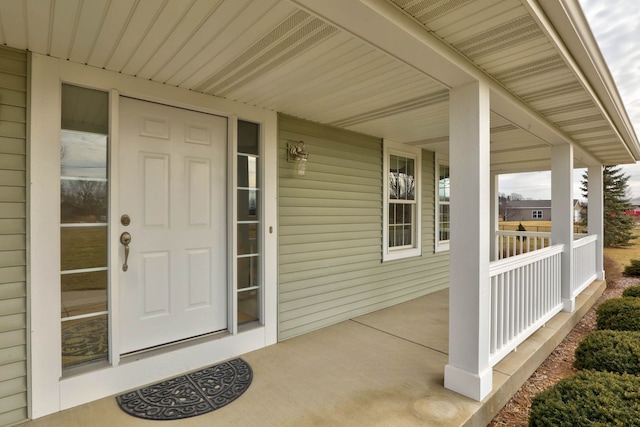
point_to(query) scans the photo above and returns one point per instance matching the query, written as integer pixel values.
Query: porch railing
(524, 294)
(511, 243)
(584, 263)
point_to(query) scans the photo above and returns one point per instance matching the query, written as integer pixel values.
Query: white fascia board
(565, 24)
(384, 26)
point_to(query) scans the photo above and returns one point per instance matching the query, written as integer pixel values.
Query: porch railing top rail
(516, 261)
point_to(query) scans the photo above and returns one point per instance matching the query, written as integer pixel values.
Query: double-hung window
(443, 213)
(536, 214)
(402, 212)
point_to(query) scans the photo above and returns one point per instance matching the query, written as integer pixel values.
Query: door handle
(125, 239)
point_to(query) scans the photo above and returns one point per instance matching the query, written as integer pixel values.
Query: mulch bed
(559, 364)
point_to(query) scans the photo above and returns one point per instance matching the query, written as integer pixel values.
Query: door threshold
(172, 346)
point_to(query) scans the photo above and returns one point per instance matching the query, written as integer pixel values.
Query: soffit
(502, 38)
(273, 55)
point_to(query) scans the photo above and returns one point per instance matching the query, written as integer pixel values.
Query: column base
(474, 386)
(569, 305)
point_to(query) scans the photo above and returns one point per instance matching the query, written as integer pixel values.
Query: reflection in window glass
(84, 211)
(444, 195)
(248, 223)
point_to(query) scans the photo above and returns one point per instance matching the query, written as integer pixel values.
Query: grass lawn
(619, 257)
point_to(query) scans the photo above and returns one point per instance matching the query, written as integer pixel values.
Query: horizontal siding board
(12, 145)
(12, 161)
(301, 286)
(12, 306)
(12, 338)
(12, 258)
(13, 386)
(13, 178)
(301, 194)
(13, 210)
(13, 416)
(11, 113)
(12, 226)
(330, 232)
(12, 81)
(12, 290)
(7, 53)
(13, 370)
(17, 66)
(13, 129)
(12, 242)
(13, 354)
(332, 246)
(12, 194)
(12, 274)
(10, 96)
(13, 401)
(13, 322)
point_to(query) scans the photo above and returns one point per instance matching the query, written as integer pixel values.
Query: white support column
(562, 215)
(468, 371)
(595, 214)
(495, 220)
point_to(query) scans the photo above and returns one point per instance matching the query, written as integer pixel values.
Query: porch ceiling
(275, 55)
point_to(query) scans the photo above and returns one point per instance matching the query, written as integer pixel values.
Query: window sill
(402, 254)
(443, 247)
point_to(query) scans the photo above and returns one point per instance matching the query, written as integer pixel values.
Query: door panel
(172, 167)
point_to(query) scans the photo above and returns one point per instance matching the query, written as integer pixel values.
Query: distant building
(533, 210)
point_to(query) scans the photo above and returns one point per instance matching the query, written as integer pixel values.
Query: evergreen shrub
(589, 398)
(620, 314)
(612, 351)
(633, 269)
(632, 292)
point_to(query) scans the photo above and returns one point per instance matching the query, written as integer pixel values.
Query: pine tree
(618, 227)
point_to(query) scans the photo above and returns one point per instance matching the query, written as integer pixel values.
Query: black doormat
(189, 395)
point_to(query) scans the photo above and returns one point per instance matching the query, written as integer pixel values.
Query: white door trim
(48, 392)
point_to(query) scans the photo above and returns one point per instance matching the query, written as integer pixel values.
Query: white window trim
(439, 245)
(415, 153)
(539, 216)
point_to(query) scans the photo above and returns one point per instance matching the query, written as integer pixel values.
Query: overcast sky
(616, 26)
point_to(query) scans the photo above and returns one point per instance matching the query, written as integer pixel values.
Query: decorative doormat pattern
(189, 395)
(84, 340)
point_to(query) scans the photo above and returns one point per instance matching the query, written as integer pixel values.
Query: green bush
(589, 398)
(633, 291)
(621, 314)
(633, 269)
(613, 351)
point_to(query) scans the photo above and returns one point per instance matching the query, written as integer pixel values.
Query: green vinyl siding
(330, 265)
(13, 220)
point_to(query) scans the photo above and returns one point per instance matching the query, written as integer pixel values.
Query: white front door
(172, 184)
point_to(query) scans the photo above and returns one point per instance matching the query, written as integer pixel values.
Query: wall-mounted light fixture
(296, 153)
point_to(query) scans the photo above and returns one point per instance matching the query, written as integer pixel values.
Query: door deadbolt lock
(125, 220)
(125, 239)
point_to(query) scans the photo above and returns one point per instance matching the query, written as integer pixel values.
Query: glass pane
(85, 110)
(247, 205)
(247, 171)
(444, 184)
(248, 137)
(248, 272)
(392, 237)
(247, 239)
(83, 155)
(83, 201)
(84, 293)
(83, 247)
(84, 340)
(406, 235)
(247, 306)
(444, 223)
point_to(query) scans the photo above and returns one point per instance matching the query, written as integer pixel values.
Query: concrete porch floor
(381, 369)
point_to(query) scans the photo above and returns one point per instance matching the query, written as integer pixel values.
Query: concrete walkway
(381, 369)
